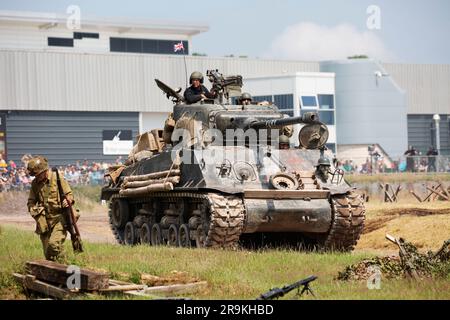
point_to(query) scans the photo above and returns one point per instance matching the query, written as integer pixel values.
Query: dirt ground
(427, 225)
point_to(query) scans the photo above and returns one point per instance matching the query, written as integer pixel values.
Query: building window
(326, 116)
(147, 46)
(81, 35)
(134, 45)
(309, 101)
(326, 101)
(285, 102)
(60, 42)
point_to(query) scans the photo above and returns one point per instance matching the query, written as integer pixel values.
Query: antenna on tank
(177, 47)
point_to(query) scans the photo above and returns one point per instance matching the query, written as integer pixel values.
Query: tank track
(347, 223)
(118, 234)
(227, 221)
(224, 225)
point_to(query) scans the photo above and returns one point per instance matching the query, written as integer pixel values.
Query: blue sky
(412, 31)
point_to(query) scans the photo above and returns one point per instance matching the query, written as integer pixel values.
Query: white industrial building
(63, 92)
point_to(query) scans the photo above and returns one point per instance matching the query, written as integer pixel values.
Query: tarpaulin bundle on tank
(152, 182)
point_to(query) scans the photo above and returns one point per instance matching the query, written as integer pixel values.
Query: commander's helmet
(196, 75)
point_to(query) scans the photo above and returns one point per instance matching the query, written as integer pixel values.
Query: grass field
(230, 274)
(244, 274)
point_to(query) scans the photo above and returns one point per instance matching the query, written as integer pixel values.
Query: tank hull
(287, 215)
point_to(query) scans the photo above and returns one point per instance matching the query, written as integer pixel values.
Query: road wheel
(145, 233)
(173, 235)
(120, 213)
(156, 235)
(183, 236)
(130, 234)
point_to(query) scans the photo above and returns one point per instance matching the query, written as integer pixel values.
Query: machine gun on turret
(224, 86)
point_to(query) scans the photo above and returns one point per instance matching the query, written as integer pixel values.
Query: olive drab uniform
(44, 205)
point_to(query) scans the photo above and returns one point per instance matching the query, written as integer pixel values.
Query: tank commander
(197, 91)
(45, 206)
(245, 99)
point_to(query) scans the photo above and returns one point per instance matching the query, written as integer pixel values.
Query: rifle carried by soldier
(276, 293)
(70, 223)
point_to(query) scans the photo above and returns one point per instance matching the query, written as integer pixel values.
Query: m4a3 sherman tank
(219, 173)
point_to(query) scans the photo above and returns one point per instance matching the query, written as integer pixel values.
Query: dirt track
(93, 225)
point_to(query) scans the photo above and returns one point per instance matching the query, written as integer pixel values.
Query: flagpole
(185, 66)
(180, 46)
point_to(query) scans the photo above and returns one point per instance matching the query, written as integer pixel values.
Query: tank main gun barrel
(307, 118)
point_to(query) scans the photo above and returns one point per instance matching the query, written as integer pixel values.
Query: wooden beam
(416, 196)
(437, 192)
(30, 282)
(286, 194)
(50, 271)
(177, 288)
(126, 287)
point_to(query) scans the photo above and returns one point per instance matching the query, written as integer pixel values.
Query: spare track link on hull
(348, 222)
(226, 219)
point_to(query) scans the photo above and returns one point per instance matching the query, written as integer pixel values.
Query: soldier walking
(45, 206)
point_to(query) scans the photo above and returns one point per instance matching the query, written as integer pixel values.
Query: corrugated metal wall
(36, 80)
(64, 137)
(427, 86)
(421, 135)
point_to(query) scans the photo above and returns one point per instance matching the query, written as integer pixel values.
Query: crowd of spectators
(16, 177)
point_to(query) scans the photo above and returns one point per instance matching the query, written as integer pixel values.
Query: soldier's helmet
(324, 161)
(283, 139)
(36, 165)
(196, 75)
(246, 96)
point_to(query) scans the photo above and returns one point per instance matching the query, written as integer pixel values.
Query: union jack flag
(178, 46)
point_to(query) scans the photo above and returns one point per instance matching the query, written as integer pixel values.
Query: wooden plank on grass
(177, 288)
(50, 271)
(127, 287)
(31, 283)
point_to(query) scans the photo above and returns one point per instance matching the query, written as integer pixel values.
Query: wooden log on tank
(167, 186)
(154, 175)
(138, 184)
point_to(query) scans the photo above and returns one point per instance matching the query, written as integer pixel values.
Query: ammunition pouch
(41, 224)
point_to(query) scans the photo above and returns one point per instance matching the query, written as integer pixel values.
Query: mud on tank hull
(212, 206)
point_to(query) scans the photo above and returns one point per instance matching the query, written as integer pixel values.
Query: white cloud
(309, 41)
